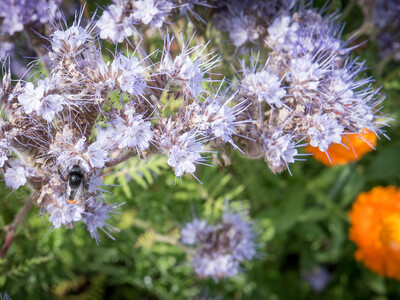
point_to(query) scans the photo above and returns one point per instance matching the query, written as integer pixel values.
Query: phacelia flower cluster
(248, 21)
(309, 91)
(91, 108)
(220, 248)
(93, 111)
(120, 20)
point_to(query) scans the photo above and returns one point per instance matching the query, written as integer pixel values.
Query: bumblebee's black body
(76, 183)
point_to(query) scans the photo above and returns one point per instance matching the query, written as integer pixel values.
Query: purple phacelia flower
(221, 247)
(306, 74)
(71, 41)
(75, 151)
(132, 130)
(184, 154)
(41, 100)
(216, 266)
(15, 175)
(152, 12)
(185, 71)
(15, 14)
(324, 130)
(95, 216)
(114, 25)
(63, 213)
(241, 27)
(282, 33)
(263, 86)
(280, 151)
(129, 74)
(192, 229)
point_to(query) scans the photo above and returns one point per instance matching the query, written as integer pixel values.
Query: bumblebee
(76, 179)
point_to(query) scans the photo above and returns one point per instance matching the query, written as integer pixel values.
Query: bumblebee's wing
(76, 195)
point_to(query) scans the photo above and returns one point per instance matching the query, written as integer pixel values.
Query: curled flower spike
(375, 229)
(220, 247)
(189, 68)
(352, 148)
(309, 89)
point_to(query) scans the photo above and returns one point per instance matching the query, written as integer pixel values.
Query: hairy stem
(10, 229)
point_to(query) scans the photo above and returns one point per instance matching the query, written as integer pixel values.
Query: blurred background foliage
(301, 220)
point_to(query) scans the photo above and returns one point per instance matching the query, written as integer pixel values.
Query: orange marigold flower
(355, 146)
(375, 229)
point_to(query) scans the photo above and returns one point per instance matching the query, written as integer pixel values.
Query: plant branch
(118, 157)
(10, 229)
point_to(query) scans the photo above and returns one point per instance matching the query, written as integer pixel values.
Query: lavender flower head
(318, 278)
(97, 108)
(220, 248)
(94, 111)
(15, 14)
(309, 89)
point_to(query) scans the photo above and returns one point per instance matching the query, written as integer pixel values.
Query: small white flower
(31, 97)
(39, 100)
(280, 150)
(130, 77)
(50, 105)
(15, 175)
(71, 41)
(188, 68)
(152, 12)
(114, 25)
(63, 213)
(242, 29)
(105, 137)
(282, 33)
(323, 131)
(76, 152)
(306, 74)
(264, 86)
(185, 154)
(96, 155)
(134, 132)
(190, 74)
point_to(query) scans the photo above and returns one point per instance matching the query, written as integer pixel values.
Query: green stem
(347, 10)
